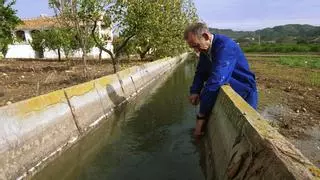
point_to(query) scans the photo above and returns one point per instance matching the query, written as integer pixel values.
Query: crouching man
(221, 61)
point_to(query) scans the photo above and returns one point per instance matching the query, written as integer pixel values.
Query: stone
(304, 109)
(288, 89)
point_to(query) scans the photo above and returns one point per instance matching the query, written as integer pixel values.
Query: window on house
(20, 36)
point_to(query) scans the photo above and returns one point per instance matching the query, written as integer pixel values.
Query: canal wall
(34, 131)
(240, 144)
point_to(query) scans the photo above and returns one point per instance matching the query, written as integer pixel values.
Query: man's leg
(252, 99)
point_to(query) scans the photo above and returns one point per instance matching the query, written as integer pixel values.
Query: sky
(232, 14)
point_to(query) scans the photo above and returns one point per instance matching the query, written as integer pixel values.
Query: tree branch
(97, 41)
(125, 42)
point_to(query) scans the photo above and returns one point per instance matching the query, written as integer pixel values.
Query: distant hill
(291, 33)
(231, 33)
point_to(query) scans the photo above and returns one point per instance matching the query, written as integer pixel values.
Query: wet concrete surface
(149, 137)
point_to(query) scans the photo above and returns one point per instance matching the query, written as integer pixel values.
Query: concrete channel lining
(36, 130)
(31, 130)
(240, 144)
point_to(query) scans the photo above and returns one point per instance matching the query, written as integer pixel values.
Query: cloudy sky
(234, 14)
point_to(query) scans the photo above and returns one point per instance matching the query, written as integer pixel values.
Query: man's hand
(194, 99)
(198, 130)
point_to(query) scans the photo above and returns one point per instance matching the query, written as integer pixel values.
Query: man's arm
(222, 68)
(200, 76)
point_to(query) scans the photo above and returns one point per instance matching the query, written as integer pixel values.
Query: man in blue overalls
(221, 61)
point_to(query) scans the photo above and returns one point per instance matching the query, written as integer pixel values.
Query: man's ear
(205, 36)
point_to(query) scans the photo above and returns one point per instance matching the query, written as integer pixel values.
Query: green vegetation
(286, 34)
(290, 33)
(157, 26)
(8, 21)
(78, 16)
(307, 62)
(57, 39)
(231, 33)
(296, 69)
(143, 27)
(290, 60)
(282, 48)
(279, 39)
(314, 78)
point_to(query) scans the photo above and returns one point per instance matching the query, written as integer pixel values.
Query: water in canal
(148, 138)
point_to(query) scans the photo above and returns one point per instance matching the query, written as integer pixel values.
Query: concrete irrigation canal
(148, 138)
(138, 124)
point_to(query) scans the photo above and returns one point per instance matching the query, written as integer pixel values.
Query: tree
(57, 39)
(8, 22)
(76, 15)
(37, 42)
(61, 39)
(107, 13)
(84, 17)
(151, 25)
(157, 25)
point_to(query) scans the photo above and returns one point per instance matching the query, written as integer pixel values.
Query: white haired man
(221, 61)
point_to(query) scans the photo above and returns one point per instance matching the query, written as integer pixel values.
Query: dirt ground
(290, 101)
(21, 79)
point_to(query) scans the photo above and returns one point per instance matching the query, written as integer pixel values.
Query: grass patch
(304, 61)
(283, 48)
(272, 69)
(314, 78)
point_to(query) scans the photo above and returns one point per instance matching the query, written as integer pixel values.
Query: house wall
(94, 53)
(20, 51)
(27, 34)
(26, 51)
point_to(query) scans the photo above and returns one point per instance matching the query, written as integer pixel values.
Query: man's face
(199, 44)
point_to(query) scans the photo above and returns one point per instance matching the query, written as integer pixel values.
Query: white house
(22, 35)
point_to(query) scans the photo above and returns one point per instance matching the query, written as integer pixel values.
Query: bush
(282, 48)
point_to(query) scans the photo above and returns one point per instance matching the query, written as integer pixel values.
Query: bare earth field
(290, 99)
(21, 80)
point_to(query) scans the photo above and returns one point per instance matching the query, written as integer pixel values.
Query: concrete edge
(249, 146)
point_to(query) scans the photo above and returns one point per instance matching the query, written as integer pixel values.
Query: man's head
(198, 37)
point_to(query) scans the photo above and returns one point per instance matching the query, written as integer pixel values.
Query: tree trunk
(84, 59)
(117, 65)
(128, 55)
(114, 64)
(143, 53)
(100, 54)
(59, 54)
(114, 58)
(142, 56)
